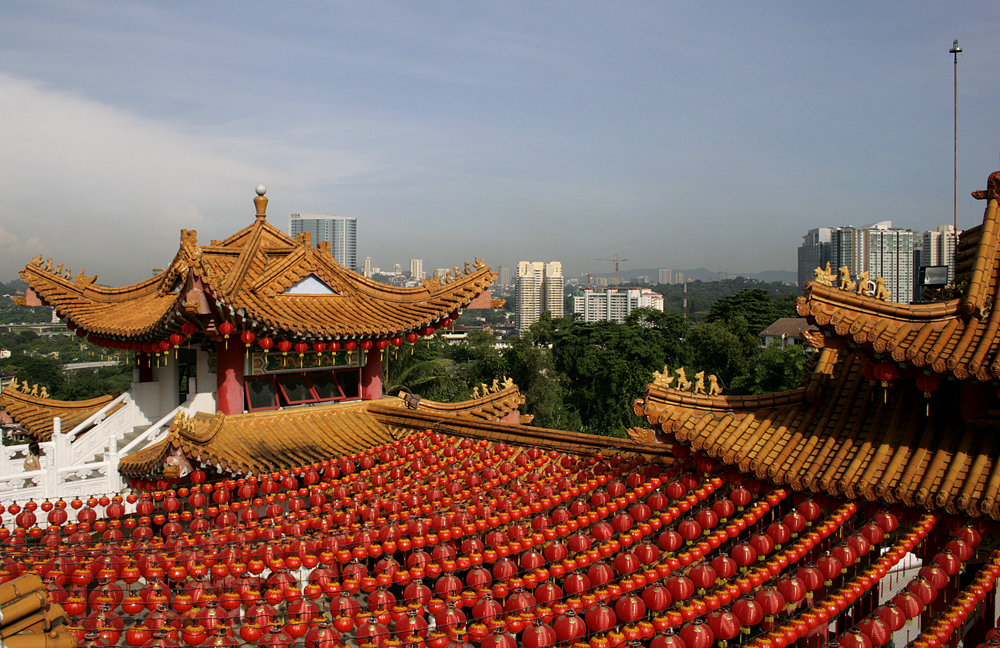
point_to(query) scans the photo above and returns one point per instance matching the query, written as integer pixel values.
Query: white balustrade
(68, 466)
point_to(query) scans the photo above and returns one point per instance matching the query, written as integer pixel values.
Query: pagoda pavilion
(254, 322)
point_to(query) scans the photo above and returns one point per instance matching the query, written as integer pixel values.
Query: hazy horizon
(671, 134)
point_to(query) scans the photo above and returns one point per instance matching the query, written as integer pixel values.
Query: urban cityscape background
(879, 249)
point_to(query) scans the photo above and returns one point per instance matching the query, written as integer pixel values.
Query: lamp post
(955, 50)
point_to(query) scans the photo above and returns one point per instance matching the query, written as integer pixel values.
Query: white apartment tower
(366, 268)
(879, 249)
(666, 276)
(614, 305)
(539, 289)
(552, 289)
(340, 231)
(939, 248)
(417, 269)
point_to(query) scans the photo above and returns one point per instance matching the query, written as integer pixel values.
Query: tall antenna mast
(955, 51)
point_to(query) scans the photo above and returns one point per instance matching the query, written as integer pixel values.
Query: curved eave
(856, 439)
(933, 337)
(35, 414)
(129, 311)
(261, 442)
(492, 406)
(362, 314)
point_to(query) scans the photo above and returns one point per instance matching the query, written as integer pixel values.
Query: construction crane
(616, 262)
(588, 275)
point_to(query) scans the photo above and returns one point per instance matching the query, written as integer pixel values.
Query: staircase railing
(99, 432)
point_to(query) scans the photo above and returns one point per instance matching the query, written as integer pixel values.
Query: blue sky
(674, 134)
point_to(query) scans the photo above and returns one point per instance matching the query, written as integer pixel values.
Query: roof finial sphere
(261, 190)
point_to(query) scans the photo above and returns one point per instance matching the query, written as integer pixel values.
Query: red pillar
(371, 376)
(229, 377)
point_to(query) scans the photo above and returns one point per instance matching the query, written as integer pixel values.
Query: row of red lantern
(266, 343)
(922, 590)
(267, 485)
(824, 611)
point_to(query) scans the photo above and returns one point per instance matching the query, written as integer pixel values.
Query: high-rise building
(552, 289)
(503, 273)
(666, 276)
(814, 252)
(679, 278)
(614, 305)
(417, 269)
(539, 289)
(366, 268)
(340, 231)
(879, 249)
(939, 248)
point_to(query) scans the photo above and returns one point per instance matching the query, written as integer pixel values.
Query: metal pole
(955, 49)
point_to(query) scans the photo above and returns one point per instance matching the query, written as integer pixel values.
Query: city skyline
(666, 134)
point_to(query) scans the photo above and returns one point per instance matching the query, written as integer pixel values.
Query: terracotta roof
(262, 442)
(35, 414)
(788, 326)
(27, 618)
(402, 421)
(957, 337)
(491, 406)
(244, 280)
(847, 436)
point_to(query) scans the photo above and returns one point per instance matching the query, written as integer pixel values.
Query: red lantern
(697, 634)
(877, 631)
(247, 337)
(886, 372)
(188, 328)
(284, 346)
(301, 347)
(226, 328)
(176, 339)
(266, 343)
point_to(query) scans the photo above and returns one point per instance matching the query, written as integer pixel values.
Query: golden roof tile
(957, 337)
(243, 280)
(854, 439)
(35, 414)
(261, 442)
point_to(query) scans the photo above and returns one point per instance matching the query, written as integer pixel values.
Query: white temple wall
(204, 400)
(156, 398)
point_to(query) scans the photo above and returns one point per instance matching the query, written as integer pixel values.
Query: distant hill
(773, 276)
(704, 274)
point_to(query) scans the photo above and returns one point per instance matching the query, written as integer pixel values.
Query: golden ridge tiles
(35, 414)
(855, 439)
(250, 270)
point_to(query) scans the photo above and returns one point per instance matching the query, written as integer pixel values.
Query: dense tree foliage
(585, 376)
(702, 295)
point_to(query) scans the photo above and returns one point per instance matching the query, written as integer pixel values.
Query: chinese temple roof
(262, 442)
(846, 436)
(956, 338)
(35, 413)
(258, 279)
